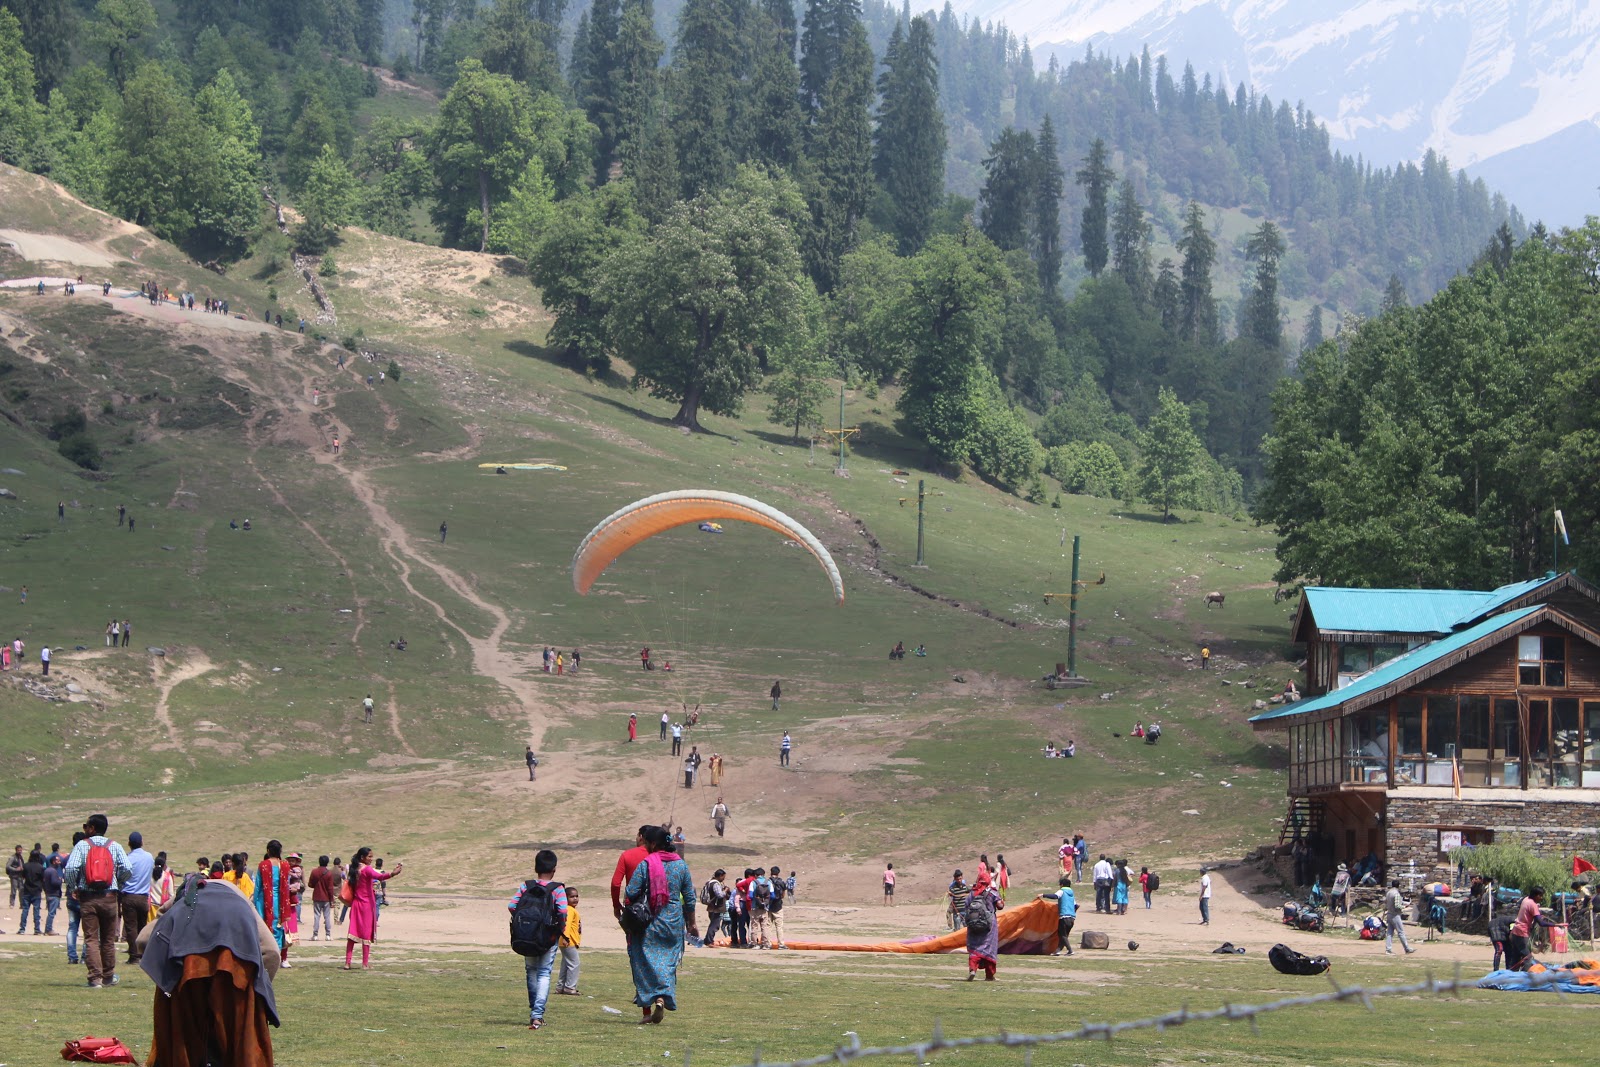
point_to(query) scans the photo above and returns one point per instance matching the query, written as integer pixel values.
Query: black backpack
(1153, 882)
(535, 922)
(977, 916)
(1286, 960)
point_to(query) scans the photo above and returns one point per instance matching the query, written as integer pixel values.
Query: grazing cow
(1215, 598)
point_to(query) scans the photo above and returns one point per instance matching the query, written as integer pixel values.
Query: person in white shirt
(1205, 896)
(1104, 878)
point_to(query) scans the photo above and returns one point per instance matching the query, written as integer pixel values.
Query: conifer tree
(1394, 296)
(1262, 315)
(829, 25)
(1005, 200)
(839, 154)
(46, 30)
(1047, 189)
(1096, 178)
(1313, 336)
(773, 120)
(704, 81)
(596, 81)
(1168, 297)
(909, 161)
(638, 54)
(1198, 309)
(1130, 242)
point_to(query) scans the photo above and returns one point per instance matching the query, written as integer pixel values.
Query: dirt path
(169, 674)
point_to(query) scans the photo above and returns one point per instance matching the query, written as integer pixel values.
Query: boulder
(1095, 939)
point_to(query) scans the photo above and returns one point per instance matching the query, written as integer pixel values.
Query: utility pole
(1072, 614)
(1077, 588)
(921, 496)
(843, 433)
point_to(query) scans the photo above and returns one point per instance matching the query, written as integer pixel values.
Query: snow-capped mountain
(1508, 90)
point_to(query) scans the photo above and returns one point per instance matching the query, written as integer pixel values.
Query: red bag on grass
(97, 1050)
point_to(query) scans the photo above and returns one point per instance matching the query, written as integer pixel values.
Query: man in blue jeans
(538, 967)
(52, 892)
(1066, 914)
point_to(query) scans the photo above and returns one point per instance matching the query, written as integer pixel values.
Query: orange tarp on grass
(1025, 930)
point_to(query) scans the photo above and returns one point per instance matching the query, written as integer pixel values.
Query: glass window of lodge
(1542, 661)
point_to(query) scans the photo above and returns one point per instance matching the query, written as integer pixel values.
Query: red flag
(1579, 865)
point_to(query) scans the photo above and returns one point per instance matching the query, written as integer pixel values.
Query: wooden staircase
(1304, 820)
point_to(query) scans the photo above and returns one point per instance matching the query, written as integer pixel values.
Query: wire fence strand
(937, 1041)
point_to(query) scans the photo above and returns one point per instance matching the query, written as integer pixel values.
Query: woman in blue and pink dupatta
(662, 881)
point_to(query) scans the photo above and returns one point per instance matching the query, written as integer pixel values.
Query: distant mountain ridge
(1508, 90)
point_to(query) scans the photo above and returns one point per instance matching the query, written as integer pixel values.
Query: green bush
(394, 371)
(68, 424)
(81, 449)
(329, 268)
(1515, 866)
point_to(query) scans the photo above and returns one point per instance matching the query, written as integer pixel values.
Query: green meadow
(470, 1007)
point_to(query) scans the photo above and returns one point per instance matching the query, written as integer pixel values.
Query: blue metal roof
(1504, 595)
(1400, 666)
(1394, 611)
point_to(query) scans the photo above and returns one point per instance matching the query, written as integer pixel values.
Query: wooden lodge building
(1434, 718)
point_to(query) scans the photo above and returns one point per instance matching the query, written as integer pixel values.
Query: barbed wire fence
(937, 1041)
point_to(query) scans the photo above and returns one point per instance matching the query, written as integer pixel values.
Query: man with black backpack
(95, 870)
(761, 895)
(538, 919)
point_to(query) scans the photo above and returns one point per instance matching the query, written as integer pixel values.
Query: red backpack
(99, 869)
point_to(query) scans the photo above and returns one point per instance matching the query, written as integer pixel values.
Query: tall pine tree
(1096, 178)
(1130, 242)
(1048, 185)
(839, 151)
(1006, 200)
(637, 55)
(829, 25)
(705, 79)
(909, 160)
(774, 123)
(1263, 318)
(1197, 308)
(597, 83)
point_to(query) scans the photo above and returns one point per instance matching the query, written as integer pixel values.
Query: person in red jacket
(626, 862)
(323, 892)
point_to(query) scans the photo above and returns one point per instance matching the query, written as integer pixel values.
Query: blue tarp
(1558, 980)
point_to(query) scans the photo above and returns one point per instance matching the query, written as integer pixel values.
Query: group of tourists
(119, 633)
(554, 660)
(112, 893)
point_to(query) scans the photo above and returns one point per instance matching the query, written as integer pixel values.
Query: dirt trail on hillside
(169, 674)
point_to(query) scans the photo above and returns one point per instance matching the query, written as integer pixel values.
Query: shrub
(394, 371)
(1515, 866)
(68, 424)
(81, 449)
(329, 268)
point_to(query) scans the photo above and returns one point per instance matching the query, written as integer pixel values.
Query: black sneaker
(113, 980)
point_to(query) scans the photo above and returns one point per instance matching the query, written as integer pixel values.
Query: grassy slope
(919, 757)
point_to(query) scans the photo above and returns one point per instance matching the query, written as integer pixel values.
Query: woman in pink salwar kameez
(363, 928)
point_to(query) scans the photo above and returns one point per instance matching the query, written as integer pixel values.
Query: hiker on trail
(303, 330)
(783, 749)
(1205, 896)
(576, 659)
(532, 761)
(775, 907)
(24, 594)
(777, 691)
(888, 885)
(719, 815)
(94, 872)
(1205, 657)
(122, 513)
(444, 531)
(44, 661)
(366, 708)
(336, 442)
(633, 726)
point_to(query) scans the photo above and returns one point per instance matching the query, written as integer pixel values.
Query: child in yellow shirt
(569, 942)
